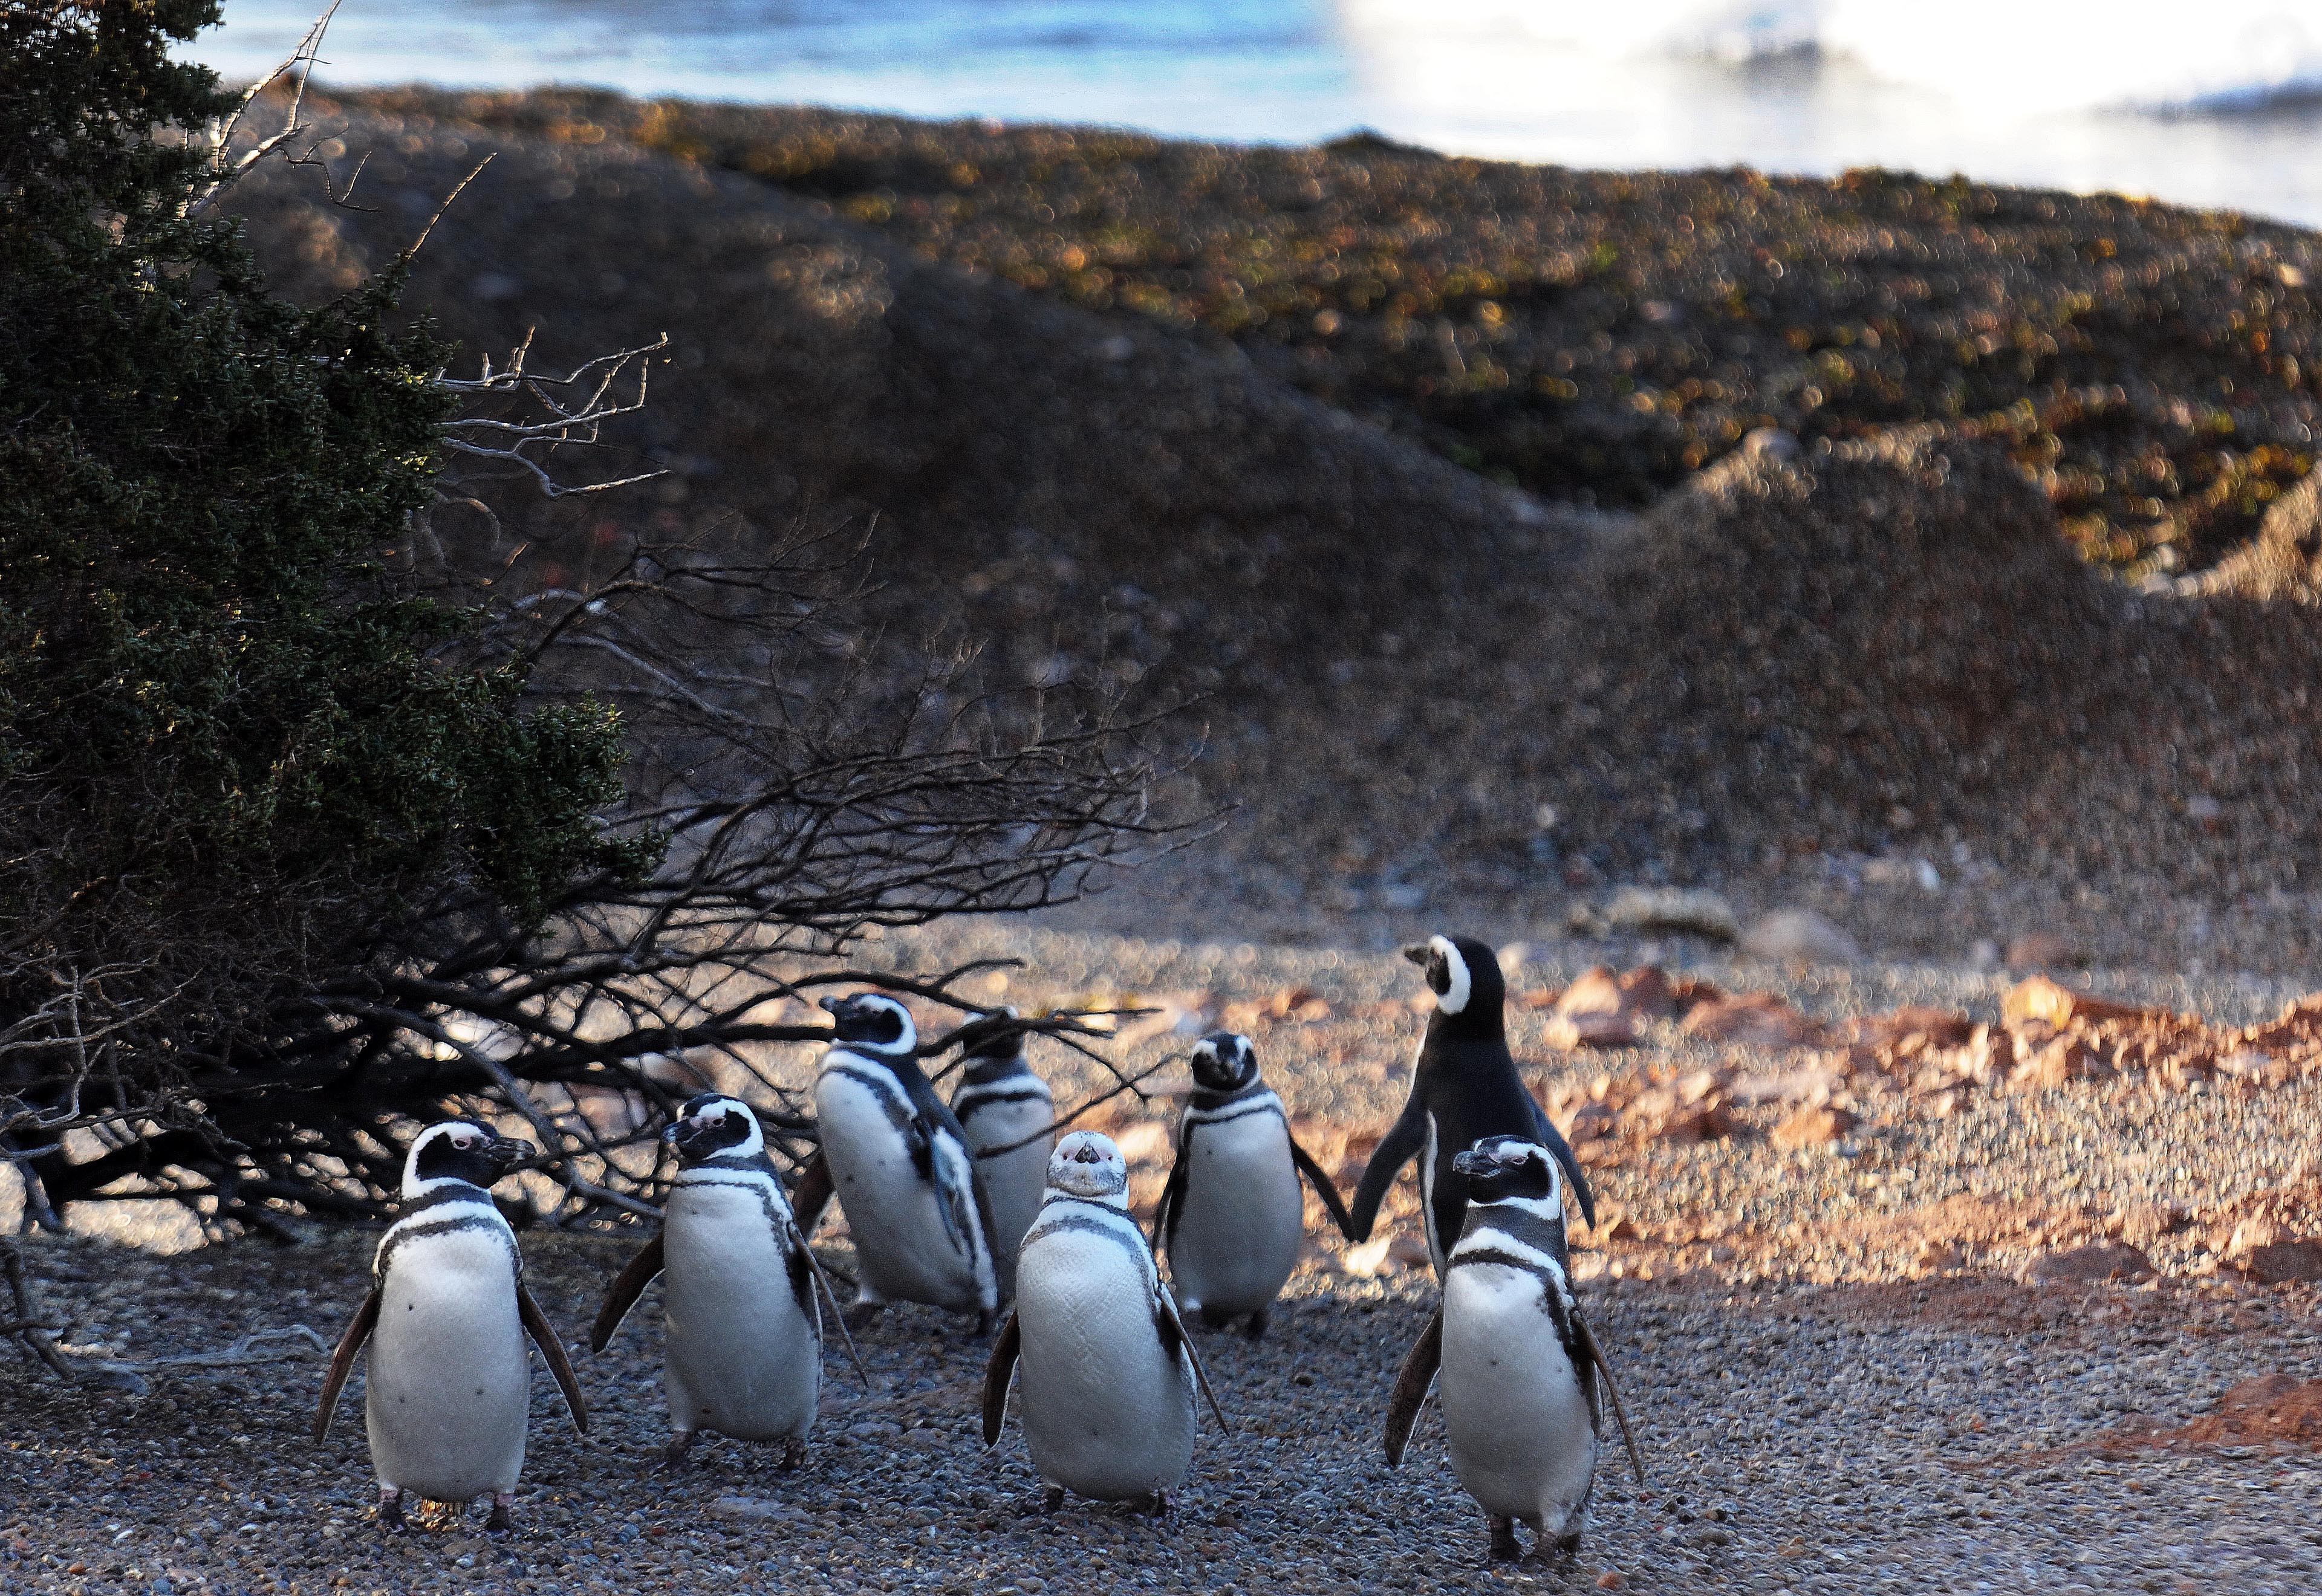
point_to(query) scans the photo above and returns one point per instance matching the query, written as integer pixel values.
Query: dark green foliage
(205, 681)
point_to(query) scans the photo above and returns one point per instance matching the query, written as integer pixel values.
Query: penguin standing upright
(899, 1165)
(1519, 1368)
(1010, 1118)
(1108, 1372)
(744, 1334)
(1232, 1216)
(1463, 1088)
(450, 1386)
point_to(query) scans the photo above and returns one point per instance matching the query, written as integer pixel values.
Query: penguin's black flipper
(627, 1287)
(996, 1376)
(1398, 1147)
(1545, 1133)
(1173, 1337)
(1411, 1386)
(813, 1195)
(1172, 1194)
(1588, 1344)
(544, 1336)
(343, 1361)
(1320, 1180)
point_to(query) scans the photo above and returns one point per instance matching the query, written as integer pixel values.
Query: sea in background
(2216, 104)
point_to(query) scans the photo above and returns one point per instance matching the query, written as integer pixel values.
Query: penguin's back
(742, 1356)
(1108, 1409)
(449, 1385)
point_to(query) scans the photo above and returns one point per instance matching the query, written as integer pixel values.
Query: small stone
(1815, 1126)
(2091, 1265)
(1935, 1257)
(1769, 442)
(1610, 1580)
(1799, 936)
(1753, 1019)
(2052, 1003)
(1673, 909)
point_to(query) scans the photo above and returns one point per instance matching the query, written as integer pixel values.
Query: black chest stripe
(402, 1238)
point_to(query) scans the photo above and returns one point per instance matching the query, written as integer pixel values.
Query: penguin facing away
(1010, 1118)
(449, 1390)
(1231, 1216)
(896, 1159)
(1523, 1381)
(1110, 1374)
(744, 1328)
(1463, 1088)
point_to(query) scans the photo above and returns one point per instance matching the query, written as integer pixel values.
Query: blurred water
(2216, 105)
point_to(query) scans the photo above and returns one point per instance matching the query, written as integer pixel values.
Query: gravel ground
(1820, 1409)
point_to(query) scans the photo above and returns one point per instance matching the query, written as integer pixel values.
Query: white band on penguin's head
(1457, 984)
(1088, 1165)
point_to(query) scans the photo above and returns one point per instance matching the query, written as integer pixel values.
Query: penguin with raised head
(743, 1334)
(449, 1385)
(1463, 1088)
(1109, 1371)
(895, 1157)
(1232, 1217)
(1009, 1118)
(1523, 1381)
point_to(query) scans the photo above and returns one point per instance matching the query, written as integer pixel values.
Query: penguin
(743, 1328)
(450, 1384)
(1009, 1118)
(1522, 1380)
(1231, 1216)
(1463, 1088)
(1109, 1371)
(902, 1168)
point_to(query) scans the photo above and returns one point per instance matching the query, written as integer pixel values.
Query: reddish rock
(1568, 1032)
(1814, 1125)
(2279, 1263)
(2042, 999)
(2043, 950)
(2067, 1058)
(1939, 1027)
(1753, 1019)
(1707, 1122)
(2090, 1266)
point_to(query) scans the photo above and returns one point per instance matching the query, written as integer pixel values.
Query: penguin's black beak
(1419, 953)
(1473, 1163)
(508, 1151)
(830, 1005)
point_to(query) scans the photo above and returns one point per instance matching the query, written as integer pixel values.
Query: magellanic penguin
(1108, 1372)
(1010, 1118)
(901, 1168)
(1232, 1216)
(450, 1386)
(1520, 1371)
(743, 1338)
(1463, 1088)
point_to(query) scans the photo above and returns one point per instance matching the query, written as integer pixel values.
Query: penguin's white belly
(449, 1383)
(903, 1249)
(1237, 1236)
(1106, 1411)
(1516, 1417)
(741, 1358)
(1013, 1181)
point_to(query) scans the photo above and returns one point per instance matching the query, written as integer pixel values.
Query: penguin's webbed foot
(1505, 1548)
(503, 1518)
(390, 1513)
(1256, 1328)
(793, 1453)
(1568, 1546)
(987, 1320)
(1052, 1498)
(1213, 1318)
(858, 1318)
(673, 1455)
(1156, 1505)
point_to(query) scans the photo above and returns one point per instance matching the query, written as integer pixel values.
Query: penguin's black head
(1224, 1060)
(461, 1150)
(1463, 973)
(871, 1022)
(1498, 1168)
(991, 1038)
(714, 1126)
